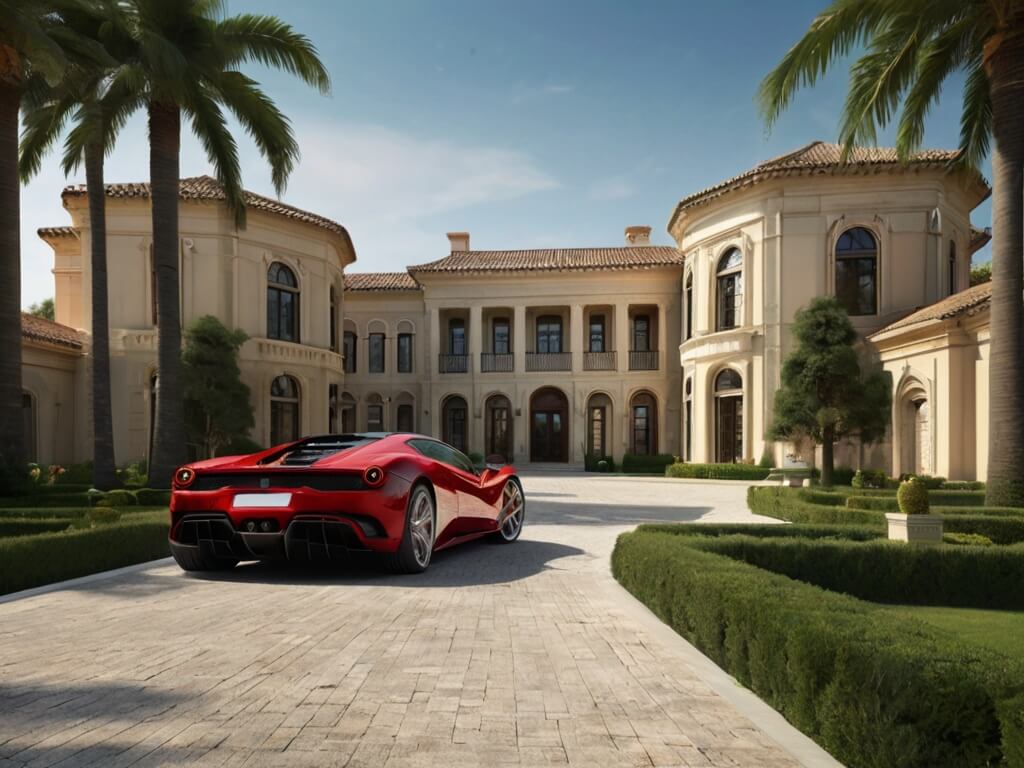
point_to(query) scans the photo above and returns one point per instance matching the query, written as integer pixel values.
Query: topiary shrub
(767, 460)
(153, 497)
(868, 478)
(103, 515)
(912, 497)
(117, 498)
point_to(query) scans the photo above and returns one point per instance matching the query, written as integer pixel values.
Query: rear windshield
(312, 449)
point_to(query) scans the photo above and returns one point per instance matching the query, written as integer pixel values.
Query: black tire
(193, 559)
(507, 533)
(417, 545)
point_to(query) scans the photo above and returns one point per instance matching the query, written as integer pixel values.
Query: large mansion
(549, 355)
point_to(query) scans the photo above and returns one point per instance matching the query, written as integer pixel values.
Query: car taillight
(373, 476)
(184, 476)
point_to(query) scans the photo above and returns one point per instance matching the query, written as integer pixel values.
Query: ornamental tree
(824, 395)
(217, 407)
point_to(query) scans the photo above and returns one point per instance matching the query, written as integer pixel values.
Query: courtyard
(528, 655)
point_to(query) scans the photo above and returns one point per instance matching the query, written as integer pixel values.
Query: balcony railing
(549, 361)
(599, 361)
(491, 362)
(643, 360)
(452, 363)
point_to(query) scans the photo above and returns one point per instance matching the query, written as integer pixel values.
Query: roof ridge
(779, 159)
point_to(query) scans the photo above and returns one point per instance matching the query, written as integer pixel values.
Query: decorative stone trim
(915, 529)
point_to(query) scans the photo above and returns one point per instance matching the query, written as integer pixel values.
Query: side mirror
(494, 462)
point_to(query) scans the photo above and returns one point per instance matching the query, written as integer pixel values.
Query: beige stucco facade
(551, 355)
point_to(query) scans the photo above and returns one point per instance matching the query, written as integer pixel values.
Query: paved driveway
(527, 654)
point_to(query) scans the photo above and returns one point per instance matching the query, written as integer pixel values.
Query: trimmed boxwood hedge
(30, 561)
(34, 499)
(889, 572)
(635, 463)
(871, 688)
(153, 497)
(26, 526)
(717, 471)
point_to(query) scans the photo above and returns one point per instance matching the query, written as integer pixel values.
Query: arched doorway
(915, 430)
(643, 424)
(499, 426)
(348, 413)
(728, 417)
(453, 423)
(599, 424)
(549, 425)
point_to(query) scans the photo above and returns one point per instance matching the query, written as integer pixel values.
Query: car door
(474, 514)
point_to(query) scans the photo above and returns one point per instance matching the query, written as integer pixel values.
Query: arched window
(730, 289)
(857, 271)
(688, 298)
(688, 420)
(333, 319)
(405, 418)
(284, 410)
(952, 267)
(643, 438)
(282, 303)
(728, 417)
(453, 423)
(348, 413)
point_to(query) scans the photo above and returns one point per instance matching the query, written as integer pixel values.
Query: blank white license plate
(265, 500)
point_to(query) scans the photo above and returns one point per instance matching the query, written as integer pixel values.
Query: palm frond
(25, 32)
(942, 55)
(43, 125)
(269, 41)
(264, 122)
(976, 118)
(832, 35)
(211, 128)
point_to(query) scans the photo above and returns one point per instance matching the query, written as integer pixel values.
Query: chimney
(636, 235)
(459, 241)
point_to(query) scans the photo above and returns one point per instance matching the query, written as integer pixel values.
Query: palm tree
(27, 45)
(80, 97)
(912, 48)
(186, 66)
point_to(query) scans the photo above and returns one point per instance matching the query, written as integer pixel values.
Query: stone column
(576, 336)
(622, 336)
(519, 338)
(475, 339)
(434, 334)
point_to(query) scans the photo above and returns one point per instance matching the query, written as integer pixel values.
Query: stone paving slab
(520, 655)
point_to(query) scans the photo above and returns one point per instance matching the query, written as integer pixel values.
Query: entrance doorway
(499, 427)
(549, 426)
(728, 417)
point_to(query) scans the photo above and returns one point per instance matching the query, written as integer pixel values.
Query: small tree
(217, 407)
(44, 309)
(824, 395)
(981, 273)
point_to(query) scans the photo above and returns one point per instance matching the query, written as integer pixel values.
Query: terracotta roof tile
(555, 259)
(208, 188)
(41, 329)
(971, 301)
(820, 157)
(52, 232)
(380, 281)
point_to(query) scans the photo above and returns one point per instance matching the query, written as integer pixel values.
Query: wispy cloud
(529, 93)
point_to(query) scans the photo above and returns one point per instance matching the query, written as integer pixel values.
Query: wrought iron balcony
(549, 361)
(643, 360)
(599, 361)
(452, 363)
(491, 362)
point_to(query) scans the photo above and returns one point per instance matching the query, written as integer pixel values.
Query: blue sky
(540, 123)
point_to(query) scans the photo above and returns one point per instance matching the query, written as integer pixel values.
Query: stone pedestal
(915, 529)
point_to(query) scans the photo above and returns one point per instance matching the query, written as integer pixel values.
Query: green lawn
(1002, 631)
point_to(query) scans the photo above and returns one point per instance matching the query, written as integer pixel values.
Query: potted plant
(913, 523)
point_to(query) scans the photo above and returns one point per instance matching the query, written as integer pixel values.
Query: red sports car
(319, 498)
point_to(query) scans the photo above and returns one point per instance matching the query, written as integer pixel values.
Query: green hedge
(876, 503)
(889, 572)
(31, 561)
(760, 530)
(717, 471)
(153, 497)
(646, 464)
(872, 689)
(35, 499)
(963, 485)
(22, 526)
(1001, 530)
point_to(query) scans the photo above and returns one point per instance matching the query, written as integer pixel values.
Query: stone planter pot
(915, 529)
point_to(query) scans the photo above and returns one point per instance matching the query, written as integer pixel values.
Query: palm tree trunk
(104, 474)
(12, 438)
(169, 437)
(1005, 67)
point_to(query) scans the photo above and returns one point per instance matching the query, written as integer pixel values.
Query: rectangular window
(405, 353)
(376, 353)
(549, 335)
(375, 418)
(500, 338)
(597, 333)
(641, 333)
(641, 430)
(404, 421)
(349, 352)
(456, 337)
